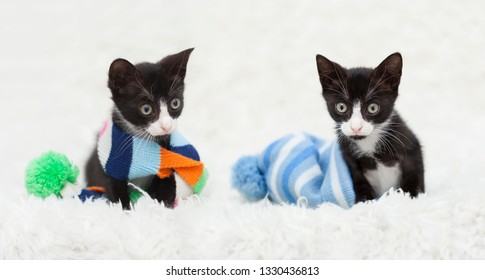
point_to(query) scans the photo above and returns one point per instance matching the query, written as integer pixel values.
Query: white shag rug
(445, 226)
(251, 79)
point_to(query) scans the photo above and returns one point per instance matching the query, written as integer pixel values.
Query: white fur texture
(384, 177)
(251, 79)
(445, 225)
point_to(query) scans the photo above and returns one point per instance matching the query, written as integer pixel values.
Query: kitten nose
(166, 125)
(356, 125)
(356, 128)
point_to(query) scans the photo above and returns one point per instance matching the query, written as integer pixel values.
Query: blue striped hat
(296, 168)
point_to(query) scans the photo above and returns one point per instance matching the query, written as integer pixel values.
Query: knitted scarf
(126, 157)
(294, 168)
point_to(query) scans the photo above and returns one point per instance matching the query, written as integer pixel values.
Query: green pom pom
(49, 173)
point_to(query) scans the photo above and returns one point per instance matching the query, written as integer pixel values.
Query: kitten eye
(175, 103)
(373, 108)
(341, 107)
(146, 109)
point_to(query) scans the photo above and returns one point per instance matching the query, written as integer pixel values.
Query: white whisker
(340, 85)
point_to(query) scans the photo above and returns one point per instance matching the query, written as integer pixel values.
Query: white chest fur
(383, 178)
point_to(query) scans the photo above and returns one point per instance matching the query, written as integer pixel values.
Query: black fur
(131, 87)
(398, 143)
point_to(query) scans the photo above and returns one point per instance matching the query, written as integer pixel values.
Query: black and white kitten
(148, 99)
(379, 148)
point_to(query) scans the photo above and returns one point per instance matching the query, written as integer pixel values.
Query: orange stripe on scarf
(190, 170)
(96, 189)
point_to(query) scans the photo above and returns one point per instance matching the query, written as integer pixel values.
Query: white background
(251, 79)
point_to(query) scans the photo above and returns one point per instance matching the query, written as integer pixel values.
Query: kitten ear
(175, 65)
(121, 72)
(332, 75)
(389, 71)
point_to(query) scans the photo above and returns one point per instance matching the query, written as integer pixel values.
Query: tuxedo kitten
(148, 99)
(379, 148)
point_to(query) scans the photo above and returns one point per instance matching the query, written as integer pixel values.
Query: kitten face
(357, 126)
(148, 97)
(166, 122)
(360, 100)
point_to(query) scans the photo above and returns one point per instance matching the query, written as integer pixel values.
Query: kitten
(379, 148)
(148, 99)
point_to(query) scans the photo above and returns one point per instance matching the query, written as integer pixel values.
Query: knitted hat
(295, 168)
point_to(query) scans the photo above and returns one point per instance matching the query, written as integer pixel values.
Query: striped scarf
(298, 167)
(126, 157)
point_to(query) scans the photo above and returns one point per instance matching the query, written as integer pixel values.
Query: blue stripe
(300, 157)
(177, 139)
(272, 151)
(326, 190)
(87, 194)
(302, 167)
(286, 161)
(270, 155)
(311, 191)
(146, 158)
(325, 159)
(344, 176)
(119, 161)
(318, 143)
(267, 154)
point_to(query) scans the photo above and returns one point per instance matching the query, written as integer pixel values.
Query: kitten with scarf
(380, 149)
(140, 143)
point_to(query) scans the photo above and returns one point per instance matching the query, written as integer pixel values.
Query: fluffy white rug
(252, 78)
(448, 225)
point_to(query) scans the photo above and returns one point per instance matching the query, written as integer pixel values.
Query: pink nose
(166, 125)
(356, 129)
